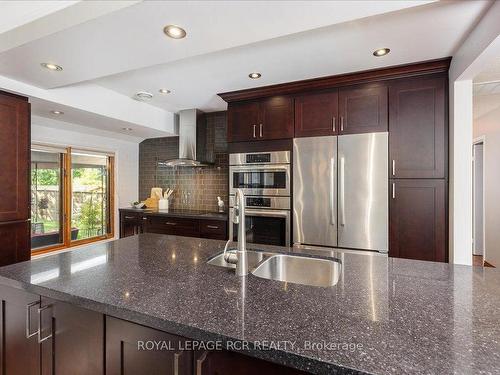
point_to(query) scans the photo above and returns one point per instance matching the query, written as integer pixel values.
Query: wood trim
(111, 196)
(322, 83)
(20, 97)
(67, 198)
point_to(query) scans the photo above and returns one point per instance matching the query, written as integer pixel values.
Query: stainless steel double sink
(288, 268)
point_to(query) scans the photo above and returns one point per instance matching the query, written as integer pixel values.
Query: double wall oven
(264, 178)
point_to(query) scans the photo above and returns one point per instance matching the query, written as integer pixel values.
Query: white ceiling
(336, 49)
(124, 49)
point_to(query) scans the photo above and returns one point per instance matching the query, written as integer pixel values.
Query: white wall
(477, 50)
(126, 151)
(488, 125)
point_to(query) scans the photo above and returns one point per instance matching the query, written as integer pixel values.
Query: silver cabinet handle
(144, 218)
(332, 193)
(260, 131)
(199, 363)
(341, 123)
(40, 338)
(393, 190)
(177, 356)
(254, 134)
(129, 217)
(212, 227)
(170, 223)
(342, 192)
(28, 319)
(393, 167)
(333, 124)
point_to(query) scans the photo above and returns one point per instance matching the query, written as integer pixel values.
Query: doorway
(478, 248)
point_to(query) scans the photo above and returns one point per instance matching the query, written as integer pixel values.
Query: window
(46, 197)
(71, 197)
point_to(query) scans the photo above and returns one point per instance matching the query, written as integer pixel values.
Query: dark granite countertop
(188, 214)
(385, 315)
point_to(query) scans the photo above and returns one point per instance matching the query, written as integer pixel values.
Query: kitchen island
(384, 315)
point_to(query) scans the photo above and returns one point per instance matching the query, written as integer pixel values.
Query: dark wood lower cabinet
(132, 223)
(135, 349)
(417, 219)
(74, 341)
(231, 363)
(19, 354)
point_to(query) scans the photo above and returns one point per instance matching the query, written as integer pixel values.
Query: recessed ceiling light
(57, 112)
(174, 31)
(143, 96)
(381, 52)
(51, 66)
(255, 75)
(127, 129)
(164, 91)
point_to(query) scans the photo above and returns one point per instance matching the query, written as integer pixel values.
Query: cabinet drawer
(215, 229)
(131, 216)
(175, 226)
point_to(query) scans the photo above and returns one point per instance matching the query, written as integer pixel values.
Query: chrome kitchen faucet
(239, 258)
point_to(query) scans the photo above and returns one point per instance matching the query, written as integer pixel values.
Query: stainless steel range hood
(194, 148)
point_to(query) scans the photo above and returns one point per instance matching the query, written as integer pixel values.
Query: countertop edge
(277, 356)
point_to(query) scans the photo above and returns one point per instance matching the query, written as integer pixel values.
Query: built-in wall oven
(264, 178)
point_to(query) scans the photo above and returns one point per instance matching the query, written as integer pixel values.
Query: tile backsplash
(194, 188)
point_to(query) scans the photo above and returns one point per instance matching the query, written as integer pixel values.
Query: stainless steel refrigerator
(340, 191)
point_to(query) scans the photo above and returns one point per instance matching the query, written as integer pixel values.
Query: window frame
(66, 194)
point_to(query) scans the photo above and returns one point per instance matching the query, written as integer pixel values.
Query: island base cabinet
(135, 349)
(231, 363)
(72, 339)
(19, 354)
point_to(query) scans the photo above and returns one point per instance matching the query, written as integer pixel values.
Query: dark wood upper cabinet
(363, 109)
(14, 158)
(243, 121)
(417, 219)
(128, 350)
(418, 125)
(270, 118)
(14, 179)
(276, 118)
(316, 114)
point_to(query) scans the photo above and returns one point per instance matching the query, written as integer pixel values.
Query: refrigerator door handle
(342, 193)
(332, 191)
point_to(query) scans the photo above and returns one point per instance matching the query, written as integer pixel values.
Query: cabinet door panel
(127, 351)
(417, 222)
(363, 109)
(19, 355)
(214, 229)
(276, 118)
(316, 114)
(229, 363)
(14, 159)
(174, 226)
(242, 121)
(15, 243)
(77, 342)
(418, 127)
